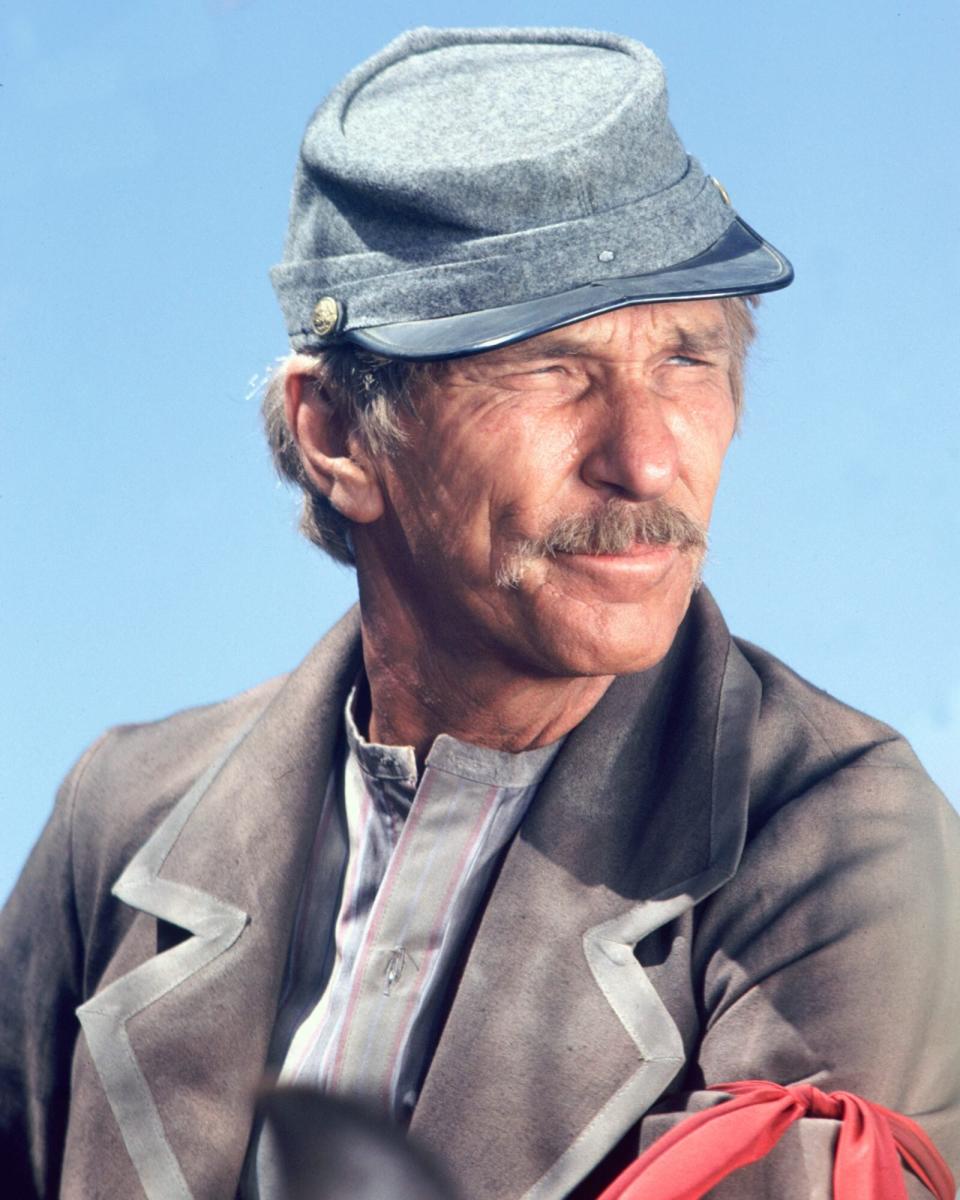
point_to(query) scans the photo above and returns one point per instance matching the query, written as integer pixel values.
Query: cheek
(508, 469)
(443, 496)
(463, 488)
(538, 456)
(704, 433)
(708, 410)
(556, 451)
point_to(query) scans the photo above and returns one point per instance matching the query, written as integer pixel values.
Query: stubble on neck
(418, 689)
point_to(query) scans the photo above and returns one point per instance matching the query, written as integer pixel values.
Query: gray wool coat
(726, 874)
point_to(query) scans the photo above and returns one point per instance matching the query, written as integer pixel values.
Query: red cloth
(705, 1147)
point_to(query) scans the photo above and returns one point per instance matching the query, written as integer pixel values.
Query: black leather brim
(739, 263)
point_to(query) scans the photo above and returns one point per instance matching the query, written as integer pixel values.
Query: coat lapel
(180, 1041)
(557, 1041)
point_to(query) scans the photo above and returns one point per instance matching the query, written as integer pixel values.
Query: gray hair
(370, 395)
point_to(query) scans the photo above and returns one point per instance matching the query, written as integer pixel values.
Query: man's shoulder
(795, 712)
(135, 772)
(818, 759)
(183, 741)
(131, 777)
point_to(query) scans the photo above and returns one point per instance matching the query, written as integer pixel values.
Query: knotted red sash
(705, 1147)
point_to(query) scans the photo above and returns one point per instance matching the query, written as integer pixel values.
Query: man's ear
(336, 466)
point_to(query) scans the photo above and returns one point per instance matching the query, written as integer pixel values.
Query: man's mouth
(636, 549)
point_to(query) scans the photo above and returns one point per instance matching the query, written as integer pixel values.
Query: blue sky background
(149, 559)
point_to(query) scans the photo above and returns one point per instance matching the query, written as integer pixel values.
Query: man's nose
(635, 454)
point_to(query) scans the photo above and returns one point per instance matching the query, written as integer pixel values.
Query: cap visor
(739, 263)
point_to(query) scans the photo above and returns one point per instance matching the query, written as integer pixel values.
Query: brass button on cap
(326, 316)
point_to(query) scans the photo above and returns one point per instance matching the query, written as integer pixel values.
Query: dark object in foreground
(337, 1149)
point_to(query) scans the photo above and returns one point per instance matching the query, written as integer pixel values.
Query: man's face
(523, 463)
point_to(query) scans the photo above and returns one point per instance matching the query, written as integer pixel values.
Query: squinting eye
(686, 361)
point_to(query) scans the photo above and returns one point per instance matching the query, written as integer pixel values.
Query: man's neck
(419, 690)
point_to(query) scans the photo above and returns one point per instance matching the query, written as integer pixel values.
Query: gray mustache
(618, 525)
(612, 529)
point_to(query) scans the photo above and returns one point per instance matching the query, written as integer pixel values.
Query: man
(529, 851)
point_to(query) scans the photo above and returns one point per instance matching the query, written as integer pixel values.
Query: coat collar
(556, 1041)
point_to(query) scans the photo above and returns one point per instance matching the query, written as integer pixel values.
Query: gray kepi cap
(468, 188)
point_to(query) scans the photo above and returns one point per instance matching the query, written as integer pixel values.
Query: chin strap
(705, 1147)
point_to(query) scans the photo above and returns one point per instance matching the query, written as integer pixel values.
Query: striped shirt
(398, 871)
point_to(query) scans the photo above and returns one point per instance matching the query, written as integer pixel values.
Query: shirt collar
(495, 768)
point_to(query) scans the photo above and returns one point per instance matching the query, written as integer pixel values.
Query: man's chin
(611, 661)
(605, 639)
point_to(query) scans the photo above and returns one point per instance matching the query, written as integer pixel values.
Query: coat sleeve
(41, 965)
(833, 958)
